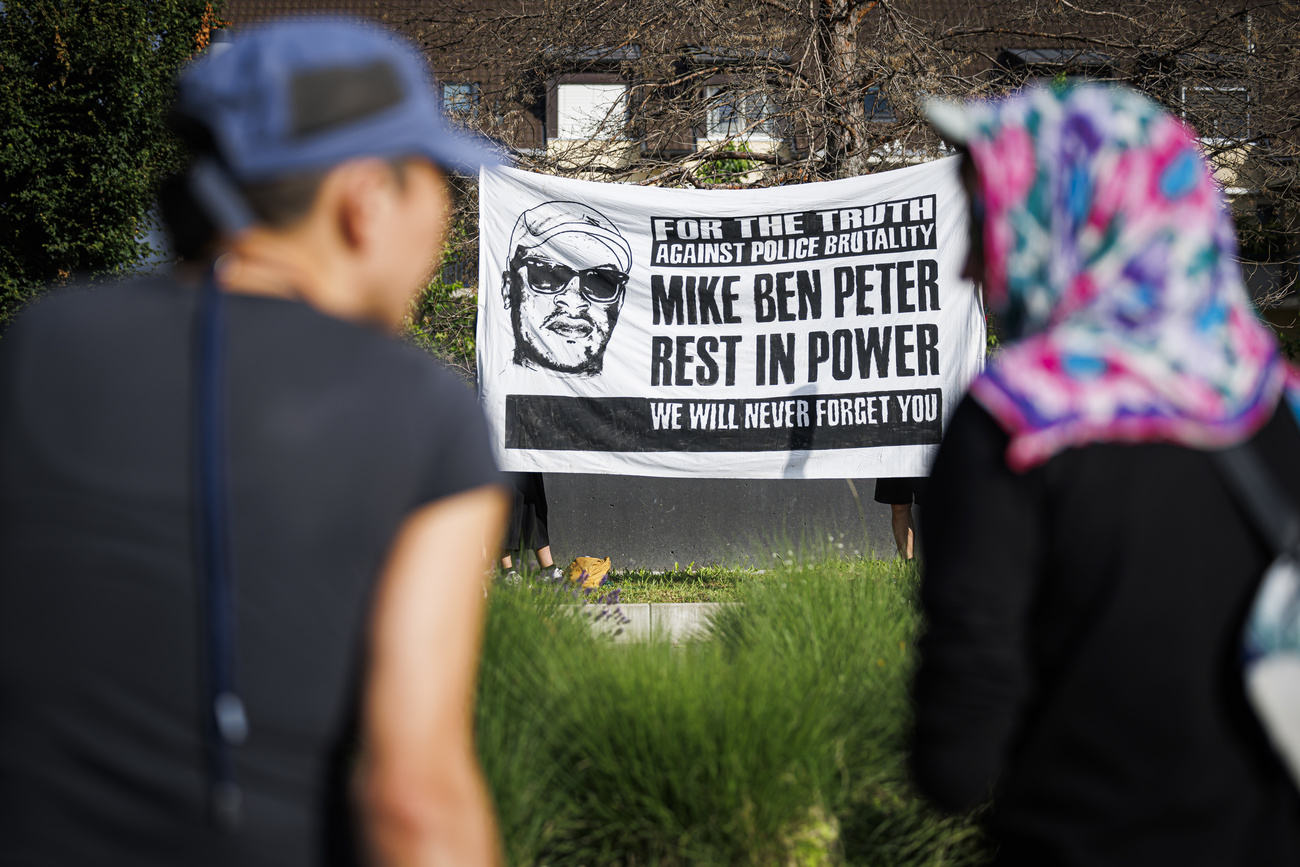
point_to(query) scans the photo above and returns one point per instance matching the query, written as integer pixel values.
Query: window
(1020, 66)
(591, 111)
(878, 108)
(1220, 111)
(735, 114)
(460, 99)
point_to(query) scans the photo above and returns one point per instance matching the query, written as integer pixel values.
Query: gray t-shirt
(336, 434)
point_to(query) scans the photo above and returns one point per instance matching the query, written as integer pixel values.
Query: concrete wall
(653, 523)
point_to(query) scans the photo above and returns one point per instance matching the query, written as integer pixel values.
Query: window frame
(875, 96)
(454, 109)
(1226, 86)
(623, 134)
(765, 131)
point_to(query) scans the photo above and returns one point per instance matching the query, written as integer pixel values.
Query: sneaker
(552, 573)
(511, 577)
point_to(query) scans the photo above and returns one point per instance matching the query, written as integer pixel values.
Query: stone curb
(674, 621)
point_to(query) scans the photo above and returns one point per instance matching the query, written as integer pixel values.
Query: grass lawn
(707, 584)
(717, 583)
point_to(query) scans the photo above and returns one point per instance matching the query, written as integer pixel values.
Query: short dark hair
(283, 201)
(276, 203)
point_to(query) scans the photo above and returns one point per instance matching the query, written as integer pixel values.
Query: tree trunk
(843, 103)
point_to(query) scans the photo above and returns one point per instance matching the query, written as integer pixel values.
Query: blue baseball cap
(304, 94)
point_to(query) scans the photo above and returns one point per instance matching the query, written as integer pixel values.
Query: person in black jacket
(1087, 572)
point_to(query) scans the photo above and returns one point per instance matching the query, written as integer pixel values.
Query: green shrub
(781, 741)
(444, 314)
(726, 169)
(442, 323)
(85, 86)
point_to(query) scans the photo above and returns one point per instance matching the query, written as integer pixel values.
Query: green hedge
(85, 86)
(780, 741)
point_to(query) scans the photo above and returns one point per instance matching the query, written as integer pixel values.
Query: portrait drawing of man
(564, 286)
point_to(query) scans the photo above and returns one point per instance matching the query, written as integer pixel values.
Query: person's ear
(365, 197)
(505, 288)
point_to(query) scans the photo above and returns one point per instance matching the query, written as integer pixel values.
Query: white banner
(809, 331)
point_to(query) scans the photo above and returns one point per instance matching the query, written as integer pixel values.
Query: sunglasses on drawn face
(597, 285)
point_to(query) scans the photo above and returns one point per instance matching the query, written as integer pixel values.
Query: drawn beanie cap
(538, 225)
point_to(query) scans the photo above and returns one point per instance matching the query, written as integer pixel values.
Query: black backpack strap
(225, 724)
(1268, 506)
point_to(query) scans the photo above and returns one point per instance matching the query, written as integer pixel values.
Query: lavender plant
(780, 741)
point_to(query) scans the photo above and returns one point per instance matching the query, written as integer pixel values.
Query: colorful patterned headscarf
(1111, 260)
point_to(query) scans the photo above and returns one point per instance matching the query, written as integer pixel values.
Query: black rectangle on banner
(635, 424)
